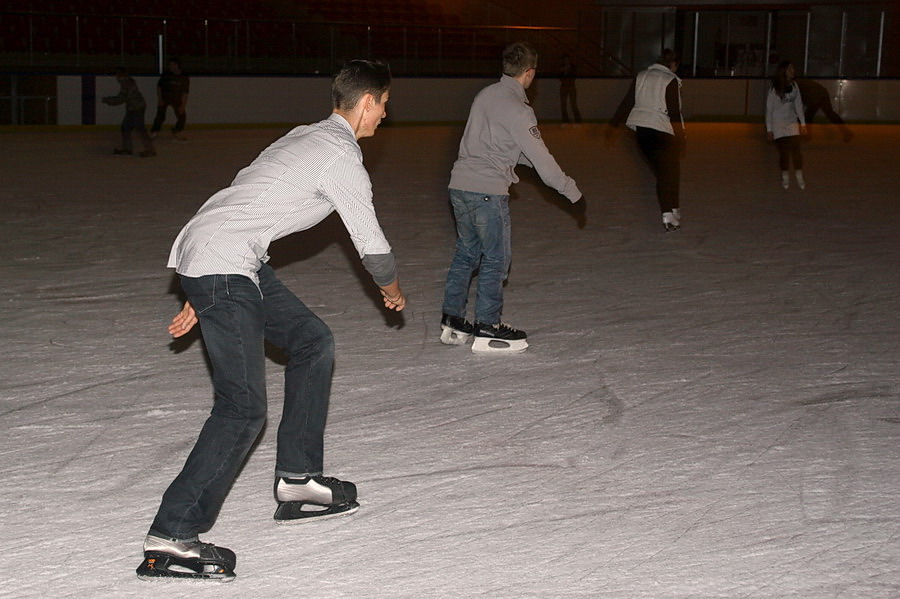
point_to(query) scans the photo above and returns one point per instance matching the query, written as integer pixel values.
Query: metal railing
(69, 42)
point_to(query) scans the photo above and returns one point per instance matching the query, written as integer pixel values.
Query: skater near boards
(786, 122)
(501, 133)
(221, 259)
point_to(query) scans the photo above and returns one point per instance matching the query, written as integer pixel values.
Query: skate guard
(491, 345)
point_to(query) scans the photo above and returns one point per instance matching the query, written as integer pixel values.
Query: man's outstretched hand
(578, 211)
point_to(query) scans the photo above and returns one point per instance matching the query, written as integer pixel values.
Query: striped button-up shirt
(291, 186)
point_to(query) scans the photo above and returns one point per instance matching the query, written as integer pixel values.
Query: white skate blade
(451, 336)
(488, 345)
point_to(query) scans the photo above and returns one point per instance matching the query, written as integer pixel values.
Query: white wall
(263, 100)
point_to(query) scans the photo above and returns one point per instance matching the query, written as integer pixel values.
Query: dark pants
(826, 108)
(180, 117)
(662, 153)
(236, 318)
(788, 149)
(134, 121)
(568, 95)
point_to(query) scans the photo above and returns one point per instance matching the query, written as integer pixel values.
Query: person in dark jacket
(815, 98)
(172, 89)
(135, 107)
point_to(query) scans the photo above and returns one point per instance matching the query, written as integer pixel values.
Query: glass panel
(788, 39)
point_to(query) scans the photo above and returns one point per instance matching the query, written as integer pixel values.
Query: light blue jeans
(482, 245)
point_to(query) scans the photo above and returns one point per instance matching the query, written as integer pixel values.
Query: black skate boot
(498, 338)
(310, 497)
(192, 560)
(455, 330)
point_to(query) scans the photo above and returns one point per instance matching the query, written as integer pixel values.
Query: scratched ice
(710, 413)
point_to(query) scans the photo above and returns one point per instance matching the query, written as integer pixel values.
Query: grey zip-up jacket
(129, 95)
(501, 133)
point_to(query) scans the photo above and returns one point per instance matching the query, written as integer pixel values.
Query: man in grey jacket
(500, 134)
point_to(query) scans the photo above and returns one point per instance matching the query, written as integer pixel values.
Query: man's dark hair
(357, 78)
(780, 79)
(518, 57)
(668, 57)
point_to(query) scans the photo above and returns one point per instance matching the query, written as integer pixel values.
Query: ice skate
(801, 182)
(455, 330)
(785, 180)
(498, 338)
(189, 560)
(301, 499)
(670, 222)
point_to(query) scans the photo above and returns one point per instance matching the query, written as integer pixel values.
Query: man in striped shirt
(221, 258)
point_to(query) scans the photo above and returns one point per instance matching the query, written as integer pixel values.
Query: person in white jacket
(785, 122)
(652, 109)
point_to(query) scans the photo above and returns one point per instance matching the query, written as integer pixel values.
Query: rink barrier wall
(264, 100)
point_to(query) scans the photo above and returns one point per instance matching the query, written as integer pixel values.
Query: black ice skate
(190, 560)
(498, 338)
(455, 330)
(301, 499)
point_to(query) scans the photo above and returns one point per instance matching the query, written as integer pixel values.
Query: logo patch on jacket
(534, 132)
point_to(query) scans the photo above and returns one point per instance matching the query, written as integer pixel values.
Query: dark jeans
(180, 118)
(235, 318)
(134, 121)
(789, 149)
(662, 153)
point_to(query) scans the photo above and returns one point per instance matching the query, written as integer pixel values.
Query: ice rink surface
(711, 413)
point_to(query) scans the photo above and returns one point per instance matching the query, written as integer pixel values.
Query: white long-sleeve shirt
(500, 133)
(291, 186)
(784, 115)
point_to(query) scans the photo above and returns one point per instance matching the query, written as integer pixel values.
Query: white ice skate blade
(488, 345)
(451, 336)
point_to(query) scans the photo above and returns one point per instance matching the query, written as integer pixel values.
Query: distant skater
(652, 109)
(172, 89)
(786, 122)
(221, 257)
(815, 98)
(135, 108)
(568, 93)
